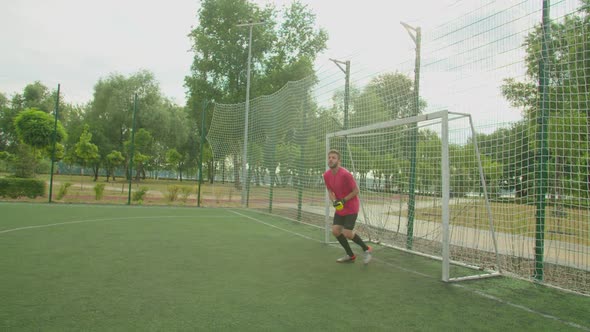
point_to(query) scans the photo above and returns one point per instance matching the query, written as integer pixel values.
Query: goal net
(422, 190)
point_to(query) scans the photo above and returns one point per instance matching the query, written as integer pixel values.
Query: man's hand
(339, 204)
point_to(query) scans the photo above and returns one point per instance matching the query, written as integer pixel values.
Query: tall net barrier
(520, 69)
(285, 154)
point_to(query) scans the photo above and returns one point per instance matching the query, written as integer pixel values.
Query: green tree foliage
(111, 115)
(34, 96)
(142, 147)
(8, 137)
(221, 49)
(36, 128)
(107, 119)
(3, 100)
(113, 160)
(181, 135)
(3, 113)
(175, 160)
(37, 95)
(283, 50)
(387, 96)
(296, 46)
(25, 161)
(568, 66)
(86, 151)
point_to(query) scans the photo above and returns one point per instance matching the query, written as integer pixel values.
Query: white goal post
(451, 217)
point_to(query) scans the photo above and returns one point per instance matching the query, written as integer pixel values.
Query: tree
(296, 46)
(34, 128)
(37, 95)
(86, 151)
(142, 146)
(281, 52)
(110, 113)
(3, 100)
(113, 160)
(387, 96)
(568, 65)
(179, 134)
(175, 159)
(8, 138)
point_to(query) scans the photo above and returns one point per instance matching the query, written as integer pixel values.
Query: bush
(99, 191)
(172, 193)
(139, 194)
(63, 190)
(21, 187)
(185, 193)
(43, 167)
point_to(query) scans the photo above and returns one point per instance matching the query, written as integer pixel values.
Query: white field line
(95, 220)
(273, 226)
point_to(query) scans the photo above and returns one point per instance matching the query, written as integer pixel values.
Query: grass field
(130, 268)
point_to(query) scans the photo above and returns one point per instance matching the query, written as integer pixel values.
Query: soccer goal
(423, 190)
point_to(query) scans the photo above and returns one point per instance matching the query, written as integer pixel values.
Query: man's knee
(349, 234)
(336, 231)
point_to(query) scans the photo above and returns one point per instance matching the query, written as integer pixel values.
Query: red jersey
(341, 184)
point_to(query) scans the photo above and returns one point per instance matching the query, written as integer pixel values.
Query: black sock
(344, 242)
(357, 239)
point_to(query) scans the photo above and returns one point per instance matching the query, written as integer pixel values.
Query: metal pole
(446, 177)
(413, 136)
(327, 226)
(543, 151)
(54, 143)
(346, 71)
(245, 153)
(346, 93)
(484, 189)
(245, 157)
(132, 148)
(301, 138)
(202, 148)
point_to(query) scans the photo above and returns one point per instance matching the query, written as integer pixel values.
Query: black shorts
(346, 221)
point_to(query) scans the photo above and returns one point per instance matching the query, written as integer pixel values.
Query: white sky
(76, 43)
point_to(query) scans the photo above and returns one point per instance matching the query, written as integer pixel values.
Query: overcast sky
(76, 43)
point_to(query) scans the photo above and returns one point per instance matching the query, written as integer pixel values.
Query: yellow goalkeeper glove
(339, 204)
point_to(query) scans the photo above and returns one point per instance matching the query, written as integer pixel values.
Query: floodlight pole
(416, 35)
(346, 71)
(245, 156)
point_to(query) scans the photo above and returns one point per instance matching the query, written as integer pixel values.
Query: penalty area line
(273, 226)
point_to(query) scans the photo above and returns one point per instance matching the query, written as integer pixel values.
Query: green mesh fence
(526, 93)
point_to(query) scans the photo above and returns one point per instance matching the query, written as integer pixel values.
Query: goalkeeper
(343, 192)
